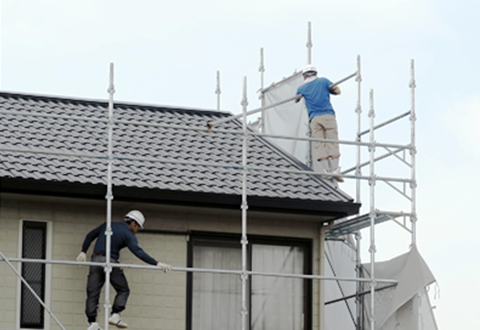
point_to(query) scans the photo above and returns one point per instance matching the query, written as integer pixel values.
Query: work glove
(82, 257)
(165, 267)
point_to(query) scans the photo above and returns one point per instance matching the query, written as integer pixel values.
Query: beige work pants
(325, 127)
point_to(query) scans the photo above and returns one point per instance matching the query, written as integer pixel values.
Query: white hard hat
(137, 216)
(309, 68)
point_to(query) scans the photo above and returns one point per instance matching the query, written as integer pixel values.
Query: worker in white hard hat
(316, 92)
(123, 236)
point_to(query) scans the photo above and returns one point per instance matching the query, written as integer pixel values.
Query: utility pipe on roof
(218, 91)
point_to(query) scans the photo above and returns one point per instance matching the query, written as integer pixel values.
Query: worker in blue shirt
(316, 92)
(123, 236)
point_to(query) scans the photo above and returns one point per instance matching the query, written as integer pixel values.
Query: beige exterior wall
(157, 300)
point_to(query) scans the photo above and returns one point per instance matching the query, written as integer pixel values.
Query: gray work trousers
(96, 280)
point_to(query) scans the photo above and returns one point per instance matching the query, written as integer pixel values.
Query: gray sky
(167, 53)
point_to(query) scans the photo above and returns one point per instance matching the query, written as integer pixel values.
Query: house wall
(157, 300)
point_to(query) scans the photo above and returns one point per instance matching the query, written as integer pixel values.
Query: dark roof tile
(70, 135)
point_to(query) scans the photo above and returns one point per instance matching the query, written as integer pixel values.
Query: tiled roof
(66, 135)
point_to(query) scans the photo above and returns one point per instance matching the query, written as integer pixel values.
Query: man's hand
(165, 267)
(334, 90)
(82, 257)
(298, 100)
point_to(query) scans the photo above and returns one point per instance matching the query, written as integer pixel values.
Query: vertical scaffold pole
(244, 241)
(218, 91)
(358, 172)
(261, 69)
(373, 249)
(310, 158)
(413, 151)
(109, 197)
(358, 270)
(309, 44)
(358, 111)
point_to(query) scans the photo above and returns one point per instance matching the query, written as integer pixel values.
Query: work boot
(115, 320)
(327, 177)
(338, 178)
(94, 326)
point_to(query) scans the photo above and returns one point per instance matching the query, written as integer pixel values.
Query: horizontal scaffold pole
(197, 270)
(223, 131)
(345, 142)
(343, 79)
(194, 163)
(251, 112)
(218, 165)
(386, 123)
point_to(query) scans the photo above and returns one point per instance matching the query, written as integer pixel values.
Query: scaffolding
(342, 227)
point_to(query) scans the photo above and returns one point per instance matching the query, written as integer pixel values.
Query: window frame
(228, 239)
(46, 277)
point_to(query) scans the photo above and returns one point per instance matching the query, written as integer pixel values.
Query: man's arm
(298, 100)
(82, 257)
(138, 251)
(90, 237)
(142, 255)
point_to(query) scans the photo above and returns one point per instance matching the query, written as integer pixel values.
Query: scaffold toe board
(351, 225)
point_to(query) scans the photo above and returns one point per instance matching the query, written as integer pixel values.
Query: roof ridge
(140, 105)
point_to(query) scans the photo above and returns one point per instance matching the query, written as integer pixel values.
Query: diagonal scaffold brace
(27, 285)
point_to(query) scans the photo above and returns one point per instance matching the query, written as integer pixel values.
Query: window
(34, 242)
(273, 302)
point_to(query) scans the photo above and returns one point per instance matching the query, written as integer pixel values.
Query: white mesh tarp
(340, 262)
(405, 306)
(289, 119)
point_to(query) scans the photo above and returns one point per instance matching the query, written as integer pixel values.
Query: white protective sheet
(289, 119)
(340, 261)
(406, 306)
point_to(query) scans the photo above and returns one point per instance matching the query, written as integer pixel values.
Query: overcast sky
(168, 53)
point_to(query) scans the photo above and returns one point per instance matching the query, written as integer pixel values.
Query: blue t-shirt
(122, 237)
(317, 97)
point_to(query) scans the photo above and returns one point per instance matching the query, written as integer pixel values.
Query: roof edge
(90, 191)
